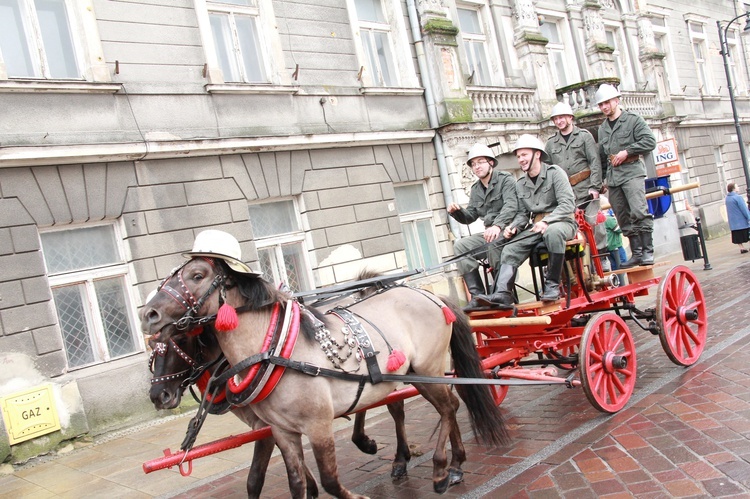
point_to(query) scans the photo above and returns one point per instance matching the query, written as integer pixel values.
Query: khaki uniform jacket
(579, 153)
(495, 205)
(630, 133)
(551, 194)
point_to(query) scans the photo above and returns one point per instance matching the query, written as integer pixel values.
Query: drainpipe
(432, 112)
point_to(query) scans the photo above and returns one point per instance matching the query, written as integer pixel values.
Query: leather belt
(539, 216)
(630, 159)
(579, 177)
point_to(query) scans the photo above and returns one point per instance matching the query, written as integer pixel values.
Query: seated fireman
(545, 213)
(493, 199)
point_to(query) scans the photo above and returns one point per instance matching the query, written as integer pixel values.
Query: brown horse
(397, 319)
(191, 358)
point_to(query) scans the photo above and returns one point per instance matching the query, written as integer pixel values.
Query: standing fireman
(547, 204)
(623, 138)
(576, 152)
(493, 199)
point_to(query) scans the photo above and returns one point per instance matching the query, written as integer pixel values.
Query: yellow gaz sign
(30, 414)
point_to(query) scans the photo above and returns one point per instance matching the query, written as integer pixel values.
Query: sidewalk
(684, 433)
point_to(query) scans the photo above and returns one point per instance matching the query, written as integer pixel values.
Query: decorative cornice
(58, 87)
(15, 156)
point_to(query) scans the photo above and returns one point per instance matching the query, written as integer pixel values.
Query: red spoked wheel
(681, 316)
(499, 392)
(607, 362)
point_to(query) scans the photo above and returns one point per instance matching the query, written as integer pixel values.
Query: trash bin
(691, 247)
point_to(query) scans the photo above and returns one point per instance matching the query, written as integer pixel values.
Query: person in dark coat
(739, 217)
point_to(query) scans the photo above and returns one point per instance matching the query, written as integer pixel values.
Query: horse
(189, 358)
(424, 329)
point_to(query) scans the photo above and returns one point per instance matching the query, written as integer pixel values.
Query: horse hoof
(368, 446)
(398, 471)
(442, 485)
(455, 475)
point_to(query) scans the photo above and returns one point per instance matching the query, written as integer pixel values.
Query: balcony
(499, 103)
(580, 96)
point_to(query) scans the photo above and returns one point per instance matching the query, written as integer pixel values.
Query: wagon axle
(612, 362)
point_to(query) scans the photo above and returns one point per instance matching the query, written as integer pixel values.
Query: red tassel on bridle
(395, 360)
(226, 317)
(450, 317)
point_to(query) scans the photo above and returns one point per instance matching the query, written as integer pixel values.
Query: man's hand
(509, 232)
(617, 159)
(594, 193)
(492, 233)
(453, 207)
(540, 227)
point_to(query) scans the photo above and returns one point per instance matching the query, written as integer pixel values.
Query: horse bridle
(185, 298)
(160, 349)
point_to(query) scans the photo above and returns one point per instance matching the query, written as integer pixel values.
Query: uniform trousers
(520, 247)
(628, 201)
(468, 243)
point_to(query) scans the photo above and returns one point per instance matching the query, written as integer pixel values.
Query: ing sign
(666, 158)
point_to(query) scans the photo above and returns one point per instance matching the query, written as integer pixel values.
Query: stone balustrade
(580, 96)
(503, 103)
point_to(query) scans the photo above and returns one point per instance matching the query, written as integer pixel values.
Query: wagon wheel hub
(685, 315)
(612, 362)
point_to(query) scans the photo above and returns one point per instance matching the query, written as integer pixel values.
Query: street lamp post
(725, 54)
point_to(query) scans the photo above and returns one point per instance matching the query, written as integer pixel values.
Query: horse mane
(258, 292)
(364, 274)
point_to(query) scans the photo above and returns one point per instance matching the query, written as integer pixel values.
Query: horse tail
(486, 419)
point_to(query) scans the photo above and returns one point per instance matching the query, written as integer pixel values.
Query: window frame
(488, 40)
(621, 55)
(86, 45)
(739, 84)
(277, 241)
(565, 48)
(415, 216)
(401, 52)
(671, 75)
(268, 40)
(702, 66)
(92, 315)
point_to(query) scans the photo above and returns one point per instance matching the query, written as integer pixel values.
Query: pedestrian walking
(739, 217)
(623, 138)
(493, 199)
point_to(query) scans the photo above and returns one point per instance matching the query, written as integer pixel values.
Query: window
(664, 46)
(738, 81)
(475, 45)
(280, 242)
(88, 276)
(700, 52)
(241, 42)
(375, 35)
(620, 56)
(36, 40)
(416, 226)
(237, 41)
(562, 62)
(381, 43)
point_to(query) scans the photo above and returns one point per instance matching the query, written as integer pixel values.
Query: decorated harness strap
(263, 376)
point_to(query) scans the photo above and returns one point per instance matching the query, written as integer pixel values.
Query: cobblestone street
(684, 433)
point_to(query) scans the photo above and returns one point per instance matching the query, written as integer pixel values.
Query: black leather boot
(503, 294)
(647, 254)
(554, 273)
(475, 286)
(636, 248)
